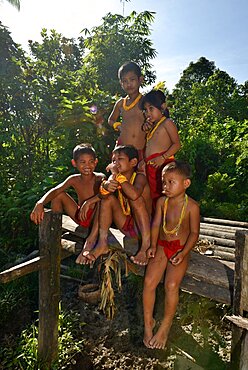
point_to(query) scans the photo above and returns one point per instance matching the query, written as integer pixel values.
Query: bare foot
(98, 251)
(88, 246)
(159, 340)
(140, 258)
(148, 333)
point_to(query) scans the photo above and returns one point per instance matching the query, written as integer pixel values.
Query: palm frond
(112, 268)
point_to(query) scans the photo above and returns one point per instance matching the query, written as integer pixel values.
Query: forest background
(60, 94)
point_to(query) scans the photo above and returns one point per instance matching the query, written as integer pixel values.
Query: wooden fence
(205, 276)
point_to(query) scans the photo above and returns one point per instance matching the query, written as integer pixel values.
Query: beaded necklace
(128, 107)
(125, 206)
(151, 132)
(177, 227)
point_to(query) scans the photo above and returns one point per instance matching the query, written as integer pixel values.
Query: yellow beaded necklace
(125, 206)
(128, 107)
(177, 227)
(151, 132)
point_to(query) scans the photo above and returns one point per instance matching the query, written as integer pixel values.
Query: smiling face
(86, 164)
(122, 162)
(152, 113)
(130, 83)
(174, 183)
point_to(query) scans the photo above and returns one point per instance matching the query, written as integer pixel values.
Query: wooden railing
(205, 276)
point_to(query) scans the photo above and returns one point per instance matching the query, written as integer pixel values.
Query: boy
(162, 140)
(130, 211)
(131, 132)
(86, 184)
(175, 231)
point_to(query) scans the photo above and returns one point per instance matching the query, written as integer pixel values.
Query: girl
(162, 140)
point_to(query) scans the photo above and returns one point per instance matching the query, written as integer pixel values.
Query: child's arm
(37, 214)
(115, 114)
(134, 191)
(156, 227)
(171, 129)
(172, 132)
(194, 222)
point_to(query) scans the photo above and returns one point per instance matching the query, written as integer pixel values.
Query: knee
(171, 286)
(108, 200)
(58, 199)
(149, 283)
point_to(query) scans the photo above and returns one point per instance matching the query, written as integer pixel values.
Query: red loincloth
(170, 247)
(154, 176)
(129, 228)
(87, 222)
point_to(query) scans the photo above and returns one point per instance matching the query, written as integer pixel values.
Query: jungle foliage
(45, 110)
(46, 102)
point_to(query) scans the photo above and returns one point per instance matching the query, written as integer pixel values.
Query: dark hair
(129, 150)
(84, 148)
(183, 168)
(129, 67)
(157, 99)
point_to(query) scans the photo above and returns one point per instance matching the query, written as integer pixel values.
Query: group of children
(144, 195)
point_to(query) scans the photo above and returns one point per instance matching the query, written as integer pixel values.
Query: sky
(183, 30)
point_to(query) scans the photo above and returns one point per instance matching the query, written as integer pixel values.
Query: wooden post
(49, 288)
(240, 301)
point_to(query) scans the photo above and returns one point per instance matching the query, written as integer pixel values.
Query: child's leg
(174, 276)
(64, 202)
(154, 273)
(92, 237)
(110, 211)
(143, 222)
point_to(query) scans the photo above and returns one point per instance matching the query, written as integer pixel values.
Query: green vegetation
(45, 102)
(23, 352)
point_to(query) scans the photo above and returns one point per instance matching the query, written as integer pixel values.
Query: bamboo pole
(49, 289)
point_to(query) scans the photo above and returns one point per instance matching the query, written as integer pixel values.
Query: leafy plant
(23, 355)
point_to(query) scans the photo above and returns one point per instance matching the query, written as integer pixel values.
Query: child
(162, 140)
(131, 132)
(86, 184)
(130, 211)
(175, 231)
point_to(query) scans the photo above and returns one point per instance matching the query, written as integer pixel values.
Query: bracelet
(121, 178)
(102, 190)
(116, 125)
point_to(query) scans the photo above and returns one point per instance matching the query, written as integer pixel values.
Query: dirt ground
(117, 344)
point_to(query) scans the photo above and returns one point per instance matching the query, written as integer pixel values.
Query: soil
(118, 344)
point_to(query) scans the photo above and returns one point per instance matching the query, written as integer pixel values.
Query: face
(130, 83)
(122, 162)
(152, 113)
(174, 183)
(85, 164)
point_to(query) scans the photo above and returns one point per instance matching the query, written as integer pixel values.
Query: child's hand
(84, 210)
(111, 184)
(157, 161)
(150, 253)
(37, 213)
(177, 258)
(113, 168)
(146, 127)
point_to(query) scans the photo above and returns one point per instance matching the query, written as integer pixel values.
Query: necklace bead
(175, 230)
